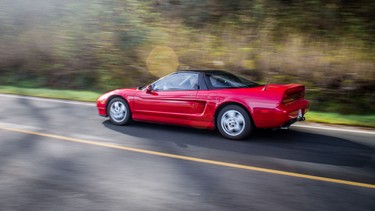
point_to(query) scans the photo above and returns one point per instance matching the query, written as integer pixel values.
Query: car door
(168, 100)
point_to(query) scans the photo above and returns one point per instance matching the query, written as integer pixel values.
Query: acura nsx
(211, 99)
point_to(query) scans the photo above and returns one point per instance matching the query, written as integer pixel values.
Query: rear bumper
(282, 116)
(292, 121)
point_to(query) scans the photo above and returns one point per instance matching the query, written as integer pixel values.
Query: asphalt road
(63, 156)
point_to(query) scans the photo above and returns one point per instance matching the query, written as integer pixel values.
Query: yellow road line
(219, 163)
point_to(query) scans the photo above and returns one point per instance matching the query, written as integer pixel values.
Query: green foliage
(101, 45)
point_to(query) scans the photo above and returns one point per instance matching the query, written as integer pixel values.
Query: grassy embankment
(89, 96)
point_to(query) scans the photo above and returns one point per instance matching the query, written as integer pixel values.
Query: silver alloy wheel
(118, 111)
(233, 122)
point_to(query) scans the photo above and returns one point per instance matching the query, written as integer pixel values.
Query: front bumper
(101, 106)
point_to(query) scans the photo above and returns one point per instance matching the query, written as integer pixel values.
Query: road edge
(306, 124)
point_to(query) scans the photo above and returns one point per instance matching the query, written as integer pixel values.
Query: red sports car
(208, 99)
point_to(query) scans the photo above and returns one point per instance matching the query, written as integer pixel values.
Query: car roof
(205, 71)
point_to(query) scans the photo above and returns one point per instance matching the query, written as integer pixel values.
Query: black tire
(233, 122)
(118, 111)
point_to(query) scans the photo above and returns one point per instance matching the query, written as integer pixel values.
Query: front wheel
(233, 122)
(119, 112)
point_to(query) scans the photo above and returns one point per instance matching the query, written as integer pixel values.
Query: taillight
(287, 99)
(293, 94)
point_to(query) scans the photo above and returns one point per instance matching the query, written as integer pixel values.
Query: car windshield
(228, 80)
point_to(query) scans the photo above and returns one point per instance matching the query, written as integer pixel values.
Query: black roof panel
(204, 71)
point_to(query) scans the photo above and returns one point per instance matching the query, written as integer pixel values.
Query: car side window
(218, 82)
(177, 81)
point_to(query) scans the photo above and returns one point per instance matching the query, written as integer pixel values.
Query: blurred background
(99, 45)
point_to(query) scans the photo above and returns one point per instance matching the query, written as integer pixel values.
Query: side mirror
(149, 89)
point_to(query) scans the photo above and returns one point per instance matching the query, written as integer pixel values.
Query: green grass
(341, 119)
(311, 116)
(87, 96)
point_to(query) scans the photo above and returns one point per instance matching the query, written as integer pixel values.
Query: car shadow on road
(289, 145)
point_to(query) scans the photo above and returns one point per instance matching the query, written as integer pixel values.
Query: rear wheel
(233, 122)
(118, 111)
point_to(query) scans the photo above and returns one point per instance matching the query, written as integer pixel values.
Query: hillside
(99, 45)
